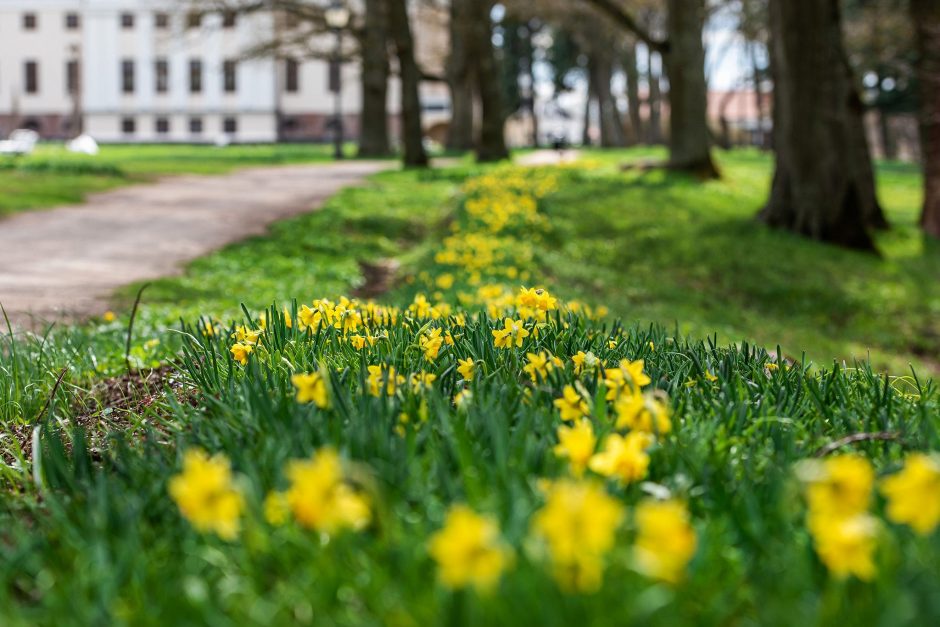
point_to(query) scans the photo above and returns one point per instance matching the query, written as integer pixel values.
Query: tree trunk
(816, 192)
(588, 101)
(762, 139)
(926, 16)
(889, 147)
(689, 138)
(633, 92)
(600, 67)
(460, 81)
(654, 99)
(373, 134)
(412, 132)
(492, 144)
(859, 157)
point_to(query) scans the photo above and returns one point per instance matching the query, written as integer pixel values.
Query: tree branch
(627, 22)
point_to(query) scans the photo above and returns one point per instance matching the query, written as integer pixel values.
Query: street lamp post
(337, 17)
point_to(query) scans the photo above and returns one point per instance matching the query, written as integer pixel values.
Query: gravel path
(63, 264)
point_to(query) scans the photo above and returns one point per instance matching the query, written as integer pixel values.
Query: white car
(21, 142)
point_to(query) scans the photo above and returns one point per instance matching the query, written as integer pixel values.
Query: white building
(151, 71)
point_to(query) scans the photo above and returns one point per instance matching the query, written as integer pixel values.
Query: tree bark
(859, 157)
(633, 92)
(373, 42)
(654, 100)
(689, 138)
(762, 140)
(412, 131)
(684, 57)
(492, 144)
(926, 16)
(889, 147)
(460, 81)
(601, 68)
(817, 191)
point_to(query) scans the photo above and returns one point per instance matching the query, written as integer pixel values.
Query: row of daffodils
(607, 414)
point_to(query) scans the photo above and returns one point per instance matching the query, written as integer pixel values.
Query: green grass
(654, 247)
(91, 535)
(660, 247)
(52, 176)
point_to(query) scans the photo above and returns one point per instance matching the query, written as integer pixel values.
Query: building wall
(261, 108)
(50, 45)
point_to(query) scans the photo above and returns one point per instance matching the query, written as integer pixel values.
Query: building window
(127, 76)
(72, 21)
(161, 20)
(195, 126)
(128, 126)
(162, 76)
(229, 74)
(71, 77)
(228, 19)
(30, 21)
(193, 19)
(230, 125)
(195, 76)
(31, 78)
(292, 76)
(163, 126)
(127, 20)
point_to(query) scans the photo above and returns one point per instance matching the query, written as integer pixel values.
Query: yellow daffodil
(576, 444)
(623, 458)
(578, 524)
(312, 388)
(914, 493)
(571, 405)
(665, 540)
(512, 334)
(240, 352)
(206, 494)
(319, 496)
(468, 550)
(466, 368)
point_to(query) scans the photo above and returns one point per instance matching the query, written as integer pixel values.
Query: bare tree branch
(627, 21)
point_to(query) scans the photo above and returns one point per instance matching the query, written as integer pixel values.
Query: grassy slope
(660, 247)
(653, 247)
(51, 176)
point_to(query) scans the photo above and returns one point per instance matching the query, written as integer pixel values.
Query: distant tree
(823, 185)
(492, 142)
(412, 131)
(300, 33)
(632, 78)
(683, 52)
(373, 43)
(460, 80)
(879, 39)
(926, 18)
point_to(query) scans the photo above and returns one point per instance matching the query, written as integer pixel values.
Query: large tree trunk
(492, 145)
(689, 139)
(816, 190)
(926, 15)
(654, 101)
(460, 80)
(412, 133)
(633, 92)
(373, 134)
(601, 69)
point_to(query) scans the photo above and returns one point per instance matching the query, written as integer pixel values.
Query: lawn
(52, 176)
(653, 247)
(468, 452)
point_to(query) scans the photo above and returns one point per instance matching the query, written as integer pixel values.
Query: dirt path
(65, 262)
(548, 157)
